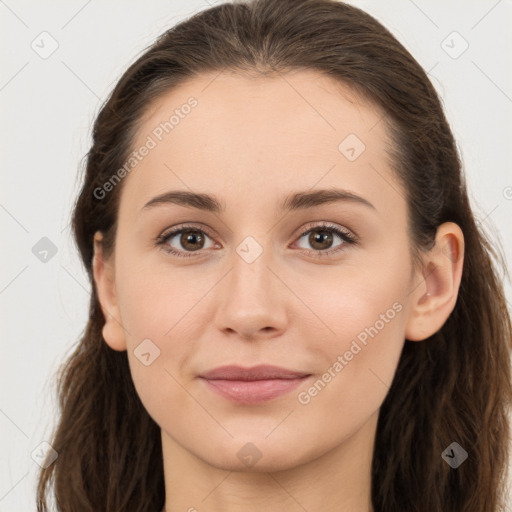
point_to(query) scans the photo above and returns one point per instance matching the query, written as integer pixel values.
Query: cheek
(358, 301)
(154, 310)
(359, 366)
(364, 312)
(154, 302)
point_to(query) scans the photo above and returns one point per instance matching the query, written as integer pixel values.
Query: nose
(253, 299)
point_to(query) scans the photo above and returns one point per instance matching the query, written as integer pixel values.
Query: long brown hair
(454, 386)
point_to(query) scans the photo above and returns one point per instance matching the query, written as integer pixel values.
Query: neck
(337, 481)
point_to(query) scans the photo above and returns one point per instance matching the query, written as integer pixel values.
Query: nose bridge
(250, 270)
(251, 297)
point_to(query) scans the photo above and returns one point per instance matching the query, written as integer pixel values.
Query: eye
(320, 237)
(191, 240)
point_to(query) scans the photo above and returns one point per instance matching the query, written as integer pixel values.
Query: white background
(47, 109)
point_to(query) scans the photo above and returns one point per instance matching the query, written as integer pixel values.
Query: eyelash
(347, 238)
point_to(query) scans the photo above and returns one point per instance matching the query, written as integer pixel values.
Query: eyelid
(192, 226)
(328, 225)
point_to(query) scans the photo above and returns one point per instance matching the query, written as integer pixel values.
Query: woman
(338, 339)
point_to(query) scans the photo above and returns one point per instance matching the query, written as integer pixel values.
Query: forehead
(242, 136)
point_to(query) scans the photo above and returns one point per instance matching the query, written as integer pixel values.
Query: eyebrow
(295, 201)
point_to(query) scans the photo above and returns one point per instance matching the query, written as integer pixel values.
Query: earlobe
(113, 332)
(434, 298)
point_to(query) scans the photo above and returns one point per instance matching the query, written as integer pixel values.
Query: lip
(253, 385)
(261, 372)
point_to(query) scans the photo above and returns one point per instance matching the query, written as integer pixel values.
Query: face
(322, 288)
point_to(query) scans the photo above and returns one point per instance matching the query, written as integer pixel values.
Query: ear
(434, 298)
(113, 331)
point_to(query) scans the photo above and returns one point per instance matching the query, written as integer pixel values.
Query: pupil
(190, 238)
(320, 237)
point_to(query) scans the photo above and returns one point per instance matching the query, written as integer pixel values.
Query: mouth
(253, 385)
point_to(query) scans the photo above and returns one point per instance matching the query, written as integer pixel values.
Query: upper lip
(261, 372)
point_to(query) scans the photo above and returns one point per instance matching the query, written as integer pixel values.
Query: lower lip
(254, 391)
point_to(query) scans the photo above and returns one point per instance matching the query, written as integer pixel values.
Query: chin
(255, 455)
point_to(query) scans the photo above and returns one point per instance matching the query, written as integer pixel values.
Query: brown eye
(191, 240)
(320, 239)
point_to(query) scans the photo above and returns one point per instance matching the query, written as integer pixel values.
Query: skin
(252, 141)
